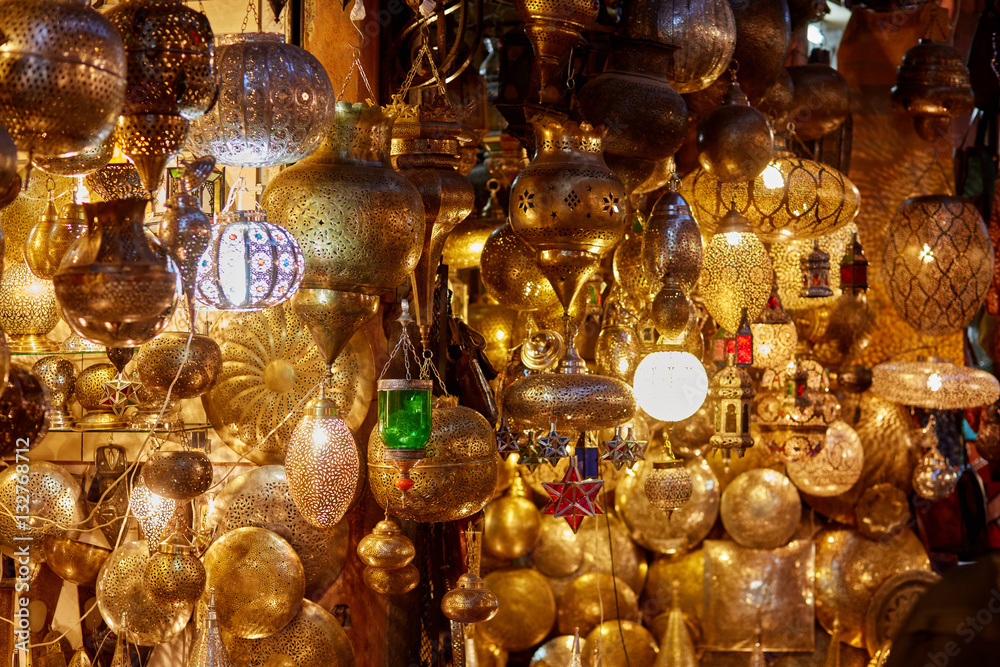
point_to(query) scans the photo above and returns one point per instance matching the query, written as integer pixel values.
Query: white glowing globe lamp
(670, 385)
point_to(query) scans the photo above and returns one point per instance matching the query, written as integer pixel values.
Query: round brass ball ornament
(470, 602)
(53, 501)
(511, 527)
(591, 598)
(668, 485)
(522, 594)
(735, 140)
(196, 367)
(456, 477)
(258, 581)
(28, 310)
(91, 396)
(313, 638)
(761, 509)
(510, 274)
(178, 475)
(25, 407)
(639, 647)
(174, 576)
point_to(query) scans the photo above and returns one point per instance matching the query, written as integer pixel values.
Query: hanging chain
(435, 75)
(251, 7)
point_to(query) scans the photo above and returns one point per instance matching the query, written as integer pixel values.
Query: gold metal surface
(51, 237)
(735, 274)
(62, 75)
(54, 501)
(512, 527)
(688, 570)
(90, 391)
(314, 638)
(122, 599)
(392, 582)
(386, 547)
(891, 605)
(258, 581)
(456, 477)
(333, 317)
(574, 402)
(269, 362)
(260, 498)
(256, 123)
(20, 215)
(639, 647)
(849, 570)
(523, 594)
(734, 139)
(74, 561)
(590, 600)
(558, 552)
(470, 602)
(174, 577)
(510, 274)
(359, 223)
(557, 652)
(554, 28)
(882, 510)
(786, 256)
(24, 411)
(28, 310)
(178, 475)
(771, 586)
(162, 359)
(629, 559)
(668, 485)
(119, 180)
(836, 467)
(686, 527)
(79, 164)
(761, 509)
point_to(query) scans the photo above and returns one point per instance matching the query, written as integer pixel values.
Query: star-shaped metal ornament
(119, 394)
(553, 446)
(574, 497)
(507, 439)
(528, 456)
(636, 450)
(616, 450)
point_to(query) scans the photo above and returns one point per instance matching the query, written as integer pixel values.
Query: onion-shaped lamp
(251, 264)
(322, 464)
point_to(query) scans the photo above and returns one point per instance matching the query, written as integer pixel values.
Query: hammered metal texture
(686, 569)
(628, 559)
(27, 304)
(162, 364)
(269, 362)
(25, 410)
(171, 58)
(619, 644)
(275, 103)
(590, 599)
(174, 579)
(454, 480)
(511, 526)
(260, 498)
(359, 223)
(849, 570)
(523, 594)
(180, 475)
(74, 561)
(746, 586)
(258, 581)
(53, 496)
(567, 198)
(687, 526)
(761, 509)
(510, 274)
(937, 263)
(573, 402)
(701, 32)
(122, 599)
(793, 198)
(314, 638)
(62, 75)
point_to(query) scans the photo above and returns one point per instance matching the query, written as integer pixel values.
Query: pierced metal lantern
(934, 384)
(668, 485)
(793, 408)
(937, 263)
(933, 86)
(174, 576)
(774, 335)
(815, 274)
(62, 75)
(323, 463)
(28, 310)
(178, 475)
(59, 376)
(793, 198)
(53, 501)
(195, 365)
(672, 243)
(250, 264)
(736, 273)
(51, 237)
(732, 392)
(275, 103)
(553, 28)
(171, 80)
(386, 547)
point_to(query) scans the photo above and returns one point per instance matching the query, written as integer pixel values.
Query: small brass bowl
(74, 561)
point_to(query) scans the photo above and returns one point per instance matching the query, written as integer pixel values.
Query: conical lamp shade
(333, 316)
(208, 649)
(80, 659)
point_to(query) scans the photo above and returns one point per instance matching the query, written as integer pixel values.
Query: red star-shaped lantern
(573, 498)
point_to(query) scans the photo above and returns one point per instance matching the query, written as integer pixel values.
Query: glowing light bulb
(934, 382)
(772, 177)
(733, 238)
(927, 254)
(670, 385)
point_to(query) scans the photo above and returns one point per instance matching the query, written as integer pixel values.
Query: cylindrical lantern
(250, 263)
(275, 103)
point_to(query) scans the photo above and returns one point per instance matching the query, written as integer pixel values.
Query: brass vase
(568, 205)
(113, 287)
(90, 392)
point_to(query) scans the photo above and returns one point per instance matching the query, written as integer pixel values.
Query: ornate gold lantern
(93, 399)
(463, 248)
(510, 274)
(815, 274)
(793, 198)
(934, 384)
(937, 263)
(314, 638)
(734, 140)
(54, 501)
(837, 466)
(195, 364)
(761, 509)
(774, 335)
(178, 475)
(672, 243)
(275, 103)
(553, 28)
(732, 392)
(28, 310)
(174, 577)
(52, 236)
(736, 274)
(933, 86)
(172, 79)
(62, 75)
(793, 408)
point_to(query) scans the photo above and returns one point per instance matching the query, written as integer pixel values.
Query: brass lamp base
(101, 421)
(31, 343)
